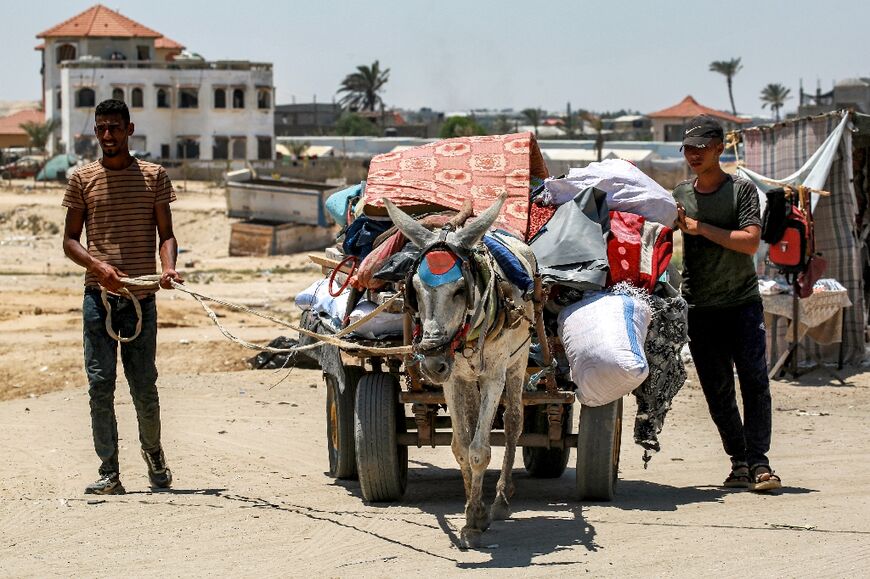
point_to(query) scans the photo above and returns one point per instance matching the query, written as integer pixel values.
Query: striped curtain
(777, 152)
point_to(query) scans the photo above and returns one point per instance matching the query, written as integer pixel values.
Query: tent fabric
(446, 173)
(779, 152)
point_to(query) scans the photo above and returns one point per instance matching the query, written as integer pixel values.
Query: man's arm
(109, 276)
(744, 240)
(168, 245)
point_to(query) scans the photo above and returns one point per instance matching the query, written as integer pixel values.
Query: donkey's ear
(471, 234)
(419, 235)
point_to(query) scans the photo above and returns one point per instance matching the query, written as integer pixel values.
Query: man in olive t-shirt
(719, 217)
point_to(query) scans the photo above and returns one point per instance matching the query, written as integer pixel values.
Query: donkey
(450, 302)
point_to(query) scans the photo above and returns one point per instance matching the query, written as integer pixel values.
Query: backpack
(789, 252)
(777, 210)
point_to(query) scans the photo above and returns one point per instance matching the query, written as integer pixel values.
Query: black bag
(776, 215)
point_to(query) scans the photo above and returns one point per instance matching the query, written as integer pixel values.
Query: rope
(333, 340)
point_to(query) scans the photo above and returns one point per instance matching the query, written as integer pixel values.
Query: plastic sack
(331, 310)
(337, 203)
(603, 337)
(397, 265)
(628, 189)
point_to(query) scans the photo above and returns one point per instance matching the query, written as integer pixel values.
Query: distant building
(184, 107)
(669, 124)
(11, 133)
(296, 120)
(850, 93)
(629, 128)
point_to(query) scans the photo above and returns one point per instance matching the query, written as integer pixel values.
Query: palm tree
(363, 87)
(39, 133)
(728, 68)
(774, 95)
(534, 118)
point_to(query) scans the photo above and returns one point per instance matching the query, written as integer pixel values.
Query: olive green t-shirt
(713, 276)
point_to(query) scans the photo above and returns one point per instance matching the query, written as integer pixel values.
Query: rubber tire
(545, 462)
(340, 401)
(599, 441)
(382, 465)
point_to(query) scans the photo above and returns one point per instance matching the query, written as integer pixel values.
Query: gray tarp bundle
(571, 248)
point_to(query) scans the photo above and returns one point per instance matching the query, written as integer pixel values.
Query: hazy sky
(460, 54)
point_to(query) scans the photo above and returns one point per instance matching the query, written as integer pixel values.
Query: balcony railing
(191, 64)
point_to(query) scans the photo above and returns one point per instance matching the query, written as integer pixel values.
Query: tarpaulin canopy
(817, 151)
(445, 173)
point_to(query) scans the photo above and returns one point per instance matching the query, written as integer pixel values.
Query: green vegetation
(728, 68)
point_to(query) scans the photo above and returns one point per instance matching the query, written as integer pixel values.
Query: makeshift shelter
(801, 151)
(55, 168)
(446, 173)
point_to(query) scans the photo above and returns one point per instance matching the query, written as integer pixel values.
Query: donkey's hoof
(500, 510)
(470, 538)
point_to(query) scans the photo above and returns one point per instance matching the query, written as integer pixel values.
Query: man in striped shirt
(123, 203)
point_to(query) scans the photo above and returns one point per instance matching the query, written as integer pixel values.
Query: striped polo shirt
(120, 224)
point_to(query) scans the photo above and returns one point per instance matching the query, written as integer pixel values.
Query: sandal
(764, 479)
(738, 478)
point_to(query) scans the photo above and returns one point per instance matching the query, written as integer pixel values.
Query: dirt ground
(248, 452)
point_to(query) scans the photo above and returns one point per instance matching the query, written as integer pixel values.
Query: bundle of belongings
(605, 253)
(600, 235)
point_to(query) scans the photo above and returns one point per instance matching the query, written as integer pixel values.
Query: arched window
(59, 99)
(66, 52)
(118, 94)
(220, 98)
(238, 98)
(136, 98)
(263, 99)
(85, 97)
(162, 98)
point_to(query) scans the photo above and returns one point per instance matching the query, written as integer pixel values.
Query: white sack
(603, 336)
(628, 189)
(316, 297)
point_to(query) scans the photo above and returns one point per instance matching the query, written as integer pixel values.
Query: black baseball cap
(701, 130)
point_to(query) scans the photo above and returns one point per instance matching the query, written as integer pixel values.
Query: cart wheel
(545, 462)
(598, 444)
(340, 395)
(381, 463)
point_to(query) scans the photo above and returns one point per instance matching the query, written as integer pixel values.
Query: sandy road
(251, 497)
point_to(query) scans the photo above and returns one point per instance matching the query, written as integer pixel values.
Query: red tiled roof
(164, 42)
(689, 107)
(10, 125)
(100, 21)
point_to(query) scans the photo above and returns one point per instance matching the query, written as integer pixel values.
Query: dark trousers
(138, 358)
(720, 341)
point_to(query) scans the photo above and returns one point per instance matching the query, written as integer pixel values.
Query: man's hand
(109, 276)
(685, 223)
(169, 275)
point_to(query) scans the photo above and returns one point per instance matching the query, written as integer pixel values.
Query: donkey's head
(443, 292)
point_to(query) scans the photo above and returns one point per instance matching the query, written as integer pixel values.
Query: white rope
(333, 340)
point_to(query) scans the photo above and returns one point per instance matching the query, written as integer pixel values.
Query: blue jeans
(138, 358)
(720, 341)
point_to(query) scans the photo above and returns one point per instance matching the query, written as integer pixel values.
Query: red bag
(789, 254)
(638, 250)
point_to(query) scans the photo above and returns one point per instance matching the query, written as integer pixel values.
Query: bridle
(456, 342)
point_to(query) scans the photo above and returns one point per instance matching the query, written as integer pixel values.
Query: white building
(183, 107)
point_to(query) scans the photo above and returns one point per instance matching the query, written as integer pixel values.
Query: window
(85, 97)
(143, 52)
(263, 100)
(59, 99)
(66, 52)
(240, 148)
(238, 98)
(138, 143)
(220, 148)
(164, 151)
(162, 98)
(220, 98)
(264, 147)
(136, 98)
(118, 94)
(187, 148)
(188, 98)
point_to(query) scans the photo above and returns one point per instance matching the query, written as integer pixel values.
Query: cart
(379, 406)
